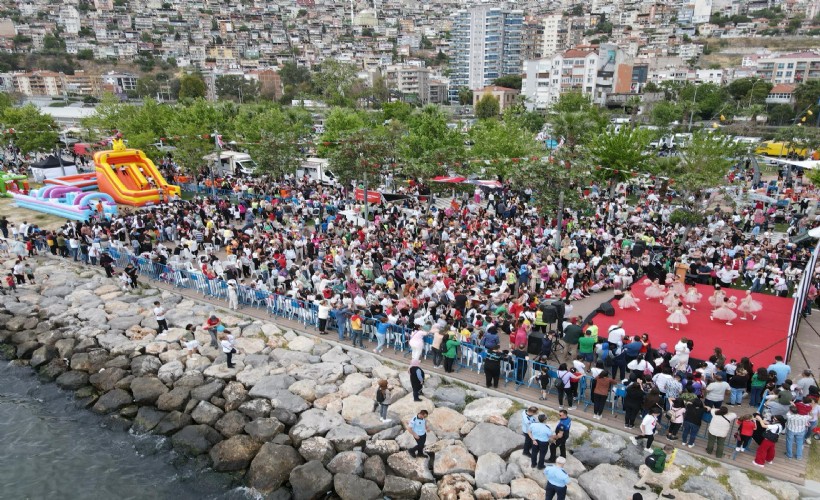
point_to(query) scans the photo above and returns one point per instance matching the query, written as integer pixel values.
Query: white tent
(807, 164)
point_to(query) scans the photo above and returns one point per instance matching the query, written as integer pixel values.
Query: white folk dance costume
(670, 299)
(628, 301)
(692, 297)
(717, 298)
(748, 305)
(673, 284)
(725, 312)
(677, 317)
(653, 290)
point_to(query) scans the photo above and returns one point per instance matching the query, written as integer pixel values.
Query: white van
(315, 169)
(232, 163)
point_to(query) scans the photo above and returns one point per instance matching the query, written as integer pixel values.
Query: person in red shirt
(746, 428)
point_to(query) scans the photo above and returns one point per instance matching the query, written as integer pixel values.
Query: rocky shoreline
(294, 418)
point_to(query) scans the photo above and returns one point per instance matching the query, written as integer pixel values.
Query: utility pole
(692, 112)
(216, 163)
(366, 203)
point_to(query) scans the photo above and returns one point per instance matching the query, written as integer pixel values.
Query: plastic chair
(619, 391)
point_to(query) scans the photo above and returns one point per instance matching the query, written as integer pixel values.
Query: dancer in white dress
(677, 316)
(725, 312)
(748, 305)
(692, 297)
(717, 298)
(654, 290)
(628, 301)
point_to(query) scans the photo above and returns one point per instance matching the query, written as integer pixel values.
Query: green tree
(502, 143)
(780, 114)
(749, 90)
(191, 86)
(5, 102)
(533, 121)
(236, 88)
(278, 154)
(147, 86)
(429, 147)
(570, 102)
(465, 96)
(619, 153)
(509, 81)
(704, 163)
(397, 110)
(487, 107)
(551, 179)
(334, 82)
(807, 94)
(664, 113)
(293, 74)
(34, 131)
(85, 55)
(360, 153)
(651, 87)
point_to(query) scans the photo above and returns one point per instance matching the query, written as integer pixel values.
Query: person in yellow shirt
(591, 327)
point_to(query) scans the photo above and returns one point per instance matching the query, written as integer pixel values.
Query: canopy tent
(807, 164)
(52, 161)
(372, 195)
(485, 183)
(449, 179)
(52, 167)
(82, 148)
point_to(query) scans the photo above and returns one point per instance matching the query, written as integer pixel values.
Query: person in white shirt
(159, 314)
(616, 335)
(227, 344)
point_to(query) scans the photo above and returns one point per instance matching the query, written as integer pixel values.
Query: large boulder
(264, 429)
(92, 361)
(483, 409)
(326, 373)
(743, 488)
(354, 384)
(316, 448)
(347, 462)
(195, 440)
(147, 390)
(528, 489)
(72, 380)
(106, 379)
(446, 422)
(256, 408)
(174, 399)
(355, 406)
(314, 422)
(172, 422)
(206, 413)
(411, 468)
(171, 372)
(706, 487)
(207, 391)
(401, 488)
(592, 456)
(147, 419)
(234, 453)
(406, 408)
(271, 467)
(112, 401)
(454, 486)
(310, 481)
(350, 487)
(608, 481)
(489, 468)
(374, 469)
(145, 365)
(43, 355)
(372, 424)
(607, 441)
(231, 424)
(301, 344)
(453, 396)
(453, 459)
(346, 437)
(268, 386)
(491, 438)
(381, 448)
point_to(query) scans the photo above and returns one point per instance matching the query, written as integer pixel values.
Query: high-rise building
(486, 44)
(553, 25)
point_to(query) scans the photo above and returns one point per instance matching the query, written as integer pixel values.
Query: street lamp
(751, 90)
(692, 111)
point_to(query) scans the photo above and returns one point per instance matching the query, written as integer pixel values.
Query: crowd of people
(488, 270)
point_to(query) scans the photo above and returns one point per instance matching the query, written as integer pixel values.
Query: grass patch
(687, 472)
(460, 385)
(724, 480)
(708, 463)
(515, 408)
(469, 399)
(583, 438)
(756, 476)
(813, 467)
(781, 227)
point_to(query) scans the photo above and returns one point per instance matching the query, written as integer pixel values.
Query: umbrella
(489, 184)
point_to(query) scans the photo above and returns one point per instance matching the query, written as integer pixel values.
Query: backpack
(656, 461)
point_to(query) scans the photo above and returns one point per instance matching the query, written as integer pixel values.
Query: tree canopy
(34, 131)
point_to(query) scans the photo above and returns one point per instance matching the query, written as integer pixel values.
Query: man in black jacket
(107, 263)
(492, 366)
(416, 379)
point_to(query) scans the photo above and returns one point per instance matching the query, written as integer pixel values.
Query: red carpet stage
(744, 338)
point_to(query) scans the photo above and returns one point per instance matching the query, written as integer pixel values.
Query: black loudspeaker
(607, 309)
(534, 343)
(638, 249)
(550, 314)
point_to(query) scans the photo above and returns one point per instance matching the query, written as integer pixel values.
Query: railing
(469, 355)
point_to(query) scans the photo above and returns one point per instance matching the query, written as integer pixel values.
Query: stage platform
(761, 339)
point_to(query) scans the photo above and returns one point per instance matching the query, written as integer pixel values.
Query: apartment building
(486, 44)
(553, 36)
(789, 68)
(409, 79)
(506, 97)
